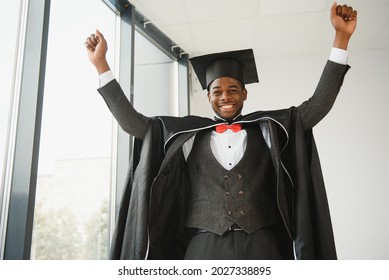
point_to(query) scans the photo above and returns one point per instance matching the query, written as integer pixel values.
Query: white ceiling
(270, 27)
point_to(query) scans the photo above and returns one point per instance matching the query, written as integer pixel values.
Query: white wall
(352, 140)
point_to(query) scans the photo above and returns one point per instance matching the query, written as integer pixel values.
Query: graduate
(232, 187)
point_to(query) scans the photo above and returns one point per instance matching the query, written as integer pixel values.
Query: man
(237, 187)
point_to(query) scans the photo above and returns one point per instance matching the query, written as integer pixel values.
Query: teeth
(227, 106)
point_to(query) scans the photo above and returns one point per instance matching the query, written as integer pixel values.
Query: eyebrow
(217, 87)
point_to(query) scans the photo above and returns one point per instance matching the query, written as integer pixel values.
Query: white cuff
(339, 56)
(105, 78)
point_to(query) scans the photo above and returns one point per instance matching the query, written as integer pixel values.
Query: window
(9, 22)
(9, 18)
(73, 186)
(65, 212)
(154, 90)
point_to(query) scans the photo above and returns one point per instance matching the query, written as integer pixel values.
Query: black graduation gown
(151, 219)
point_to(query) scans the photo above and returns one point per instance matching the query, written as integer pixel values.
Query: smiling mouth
(230, 106)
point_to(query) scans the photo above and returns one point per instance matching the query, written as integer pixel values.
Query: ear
(209, 96)
(244, 94)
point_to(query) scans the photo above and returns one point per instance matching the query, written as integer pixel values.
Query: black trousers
(268, 243)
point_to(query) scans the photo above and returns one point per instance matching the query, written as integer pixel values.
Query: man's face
(226, 96)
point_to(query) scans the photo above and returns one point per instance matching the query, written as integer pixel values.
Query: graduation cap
(236, 64)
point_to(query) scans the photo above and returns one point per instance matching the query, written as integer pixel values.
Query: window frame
(23, 145)
(18, 197)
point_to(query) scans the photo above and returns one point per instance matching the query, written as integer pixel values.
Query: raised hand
(344, 20)
(97, 47)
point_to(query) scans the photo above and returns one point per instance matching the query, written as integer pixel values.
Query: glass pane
(9, 19)
(74, 179)
(154, 79)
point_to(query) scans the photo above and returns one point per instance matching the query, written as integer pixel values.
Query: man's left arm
(312, 111)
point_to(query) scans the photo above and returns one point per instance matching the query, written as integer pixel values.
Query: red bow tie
(235, 127)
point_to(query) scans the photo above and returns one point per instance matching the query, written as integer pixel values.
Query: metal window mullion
(11, 128)
(183, 85)
(125, 74)
(23, 163)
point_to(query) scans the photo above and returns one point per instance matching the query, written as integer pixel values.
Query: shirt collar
(237, 118)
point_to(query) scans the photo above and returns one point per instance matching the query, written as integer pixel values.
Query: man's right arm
(128, 118)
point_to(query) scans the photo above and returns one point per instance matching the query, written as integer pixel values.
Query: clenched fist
(97, 47)
(344, 20)
(346, 12)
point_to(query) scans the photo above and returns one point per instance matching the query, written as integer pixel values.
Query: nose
(225, 95)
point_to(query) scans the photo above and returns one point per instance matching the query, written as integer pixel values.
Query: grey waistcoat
(244, 196)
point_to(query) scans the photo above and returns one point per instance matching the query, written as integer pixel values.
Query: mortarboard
(236, 64)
